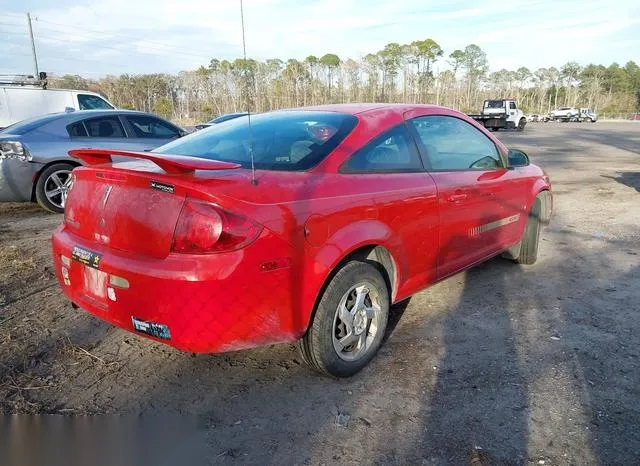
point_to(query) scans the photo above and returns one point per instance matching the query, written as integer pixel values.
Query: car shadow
(630, 179)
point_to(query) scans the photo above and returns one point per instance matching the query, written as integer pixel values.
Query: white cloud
(165, 35)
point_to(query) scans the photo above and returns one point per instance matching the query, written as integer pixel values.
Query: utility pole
(33, 47)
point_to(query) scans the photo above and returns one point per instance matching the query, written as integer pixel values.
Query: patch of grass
(13, 262)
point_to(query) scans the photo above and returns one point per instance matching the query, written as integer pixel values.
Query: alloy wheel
(356, 321)
(56, 187)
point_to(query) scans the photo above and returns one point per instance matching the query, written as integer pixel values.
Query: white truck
(501, 114)
(25, 97)
(588, 115)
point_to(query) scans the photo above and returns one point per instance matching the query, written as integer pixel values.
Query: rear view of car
(304, 226)
(169, 247)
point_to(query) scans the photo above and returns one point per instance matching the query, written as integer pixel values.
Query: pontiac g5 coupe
(301, 225)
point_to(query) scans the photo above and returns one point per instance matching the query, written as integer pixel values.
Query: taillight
(207, 229)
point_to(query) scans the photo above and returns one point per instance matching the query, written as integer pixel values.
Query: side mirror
(517, 158)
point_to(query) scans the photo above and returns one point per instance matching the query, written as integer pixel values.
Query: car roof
(356, 108)
(71, 117)
(49, 117)
(47, 89)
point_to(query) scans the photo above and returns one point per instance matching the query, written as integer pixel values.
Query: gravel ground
(502, 364)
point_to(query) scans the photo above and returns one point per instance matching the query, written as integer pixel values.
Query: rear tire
(349, 322)
(53, 185)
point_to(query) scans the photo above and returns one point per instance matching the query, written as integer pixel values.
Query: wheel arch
(372, 251)
(43, 168)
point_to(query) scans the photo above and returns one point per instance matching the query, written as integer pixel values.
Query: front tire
(528, 254)
(53, 186)
(349, 322)
(521, 124)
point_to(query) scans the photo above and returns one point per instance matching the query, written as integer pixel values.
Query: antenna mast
(244, 53)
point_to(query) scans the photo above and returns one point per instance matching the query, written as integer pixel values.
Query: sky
(96, 37)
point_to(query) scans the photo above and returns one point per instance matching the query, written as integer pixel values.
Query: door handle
(457, 197)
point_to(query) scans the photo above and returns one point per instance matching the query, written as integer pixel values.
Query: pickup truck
(501, 114)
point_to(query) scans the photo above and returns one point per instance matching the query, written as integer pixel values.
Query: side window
(512, 105)
(77, 130)
(150, 127)
(104, 127)
(392, 152)
(92, 102)
(453, 144)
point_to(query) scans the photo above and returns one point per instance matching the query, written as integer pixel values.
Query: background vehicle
(339, 221)
(19, 102)
(220, 119)
(500, 114)
(588, 115)
(34, 160)
(564, 114)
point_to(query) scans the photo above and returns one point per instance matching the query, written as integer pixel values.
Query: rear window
(290, 141)
(30, 124)
(494, 104)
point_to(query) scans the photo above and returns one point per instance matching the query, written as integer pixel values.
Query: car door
(405, 197)
(513, 113)
(477, 214)
(105, 131)
(149, 132)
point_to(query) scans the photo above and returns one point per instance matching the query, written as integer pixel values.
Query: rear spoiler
(172, 164)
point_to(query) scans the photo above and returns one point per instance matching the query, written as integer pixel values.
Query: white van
(18, 103)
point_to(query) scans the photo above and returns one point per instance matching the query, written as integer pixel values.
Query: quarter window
(453, 144)
(104, 127)
(77, 130)
(393, 151)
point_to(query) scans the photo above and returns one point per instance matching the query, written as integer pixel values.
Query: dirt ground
(499, 365)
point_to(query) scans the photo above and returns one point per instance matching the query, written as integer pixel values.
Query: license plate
(151, 328)
(86, 257)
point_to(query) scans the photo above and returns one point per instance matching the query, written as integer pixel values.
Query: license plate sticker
(86, 257)
(151, 328)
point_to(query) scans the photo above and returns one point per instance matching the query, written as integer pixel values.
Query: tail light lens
(207, 229)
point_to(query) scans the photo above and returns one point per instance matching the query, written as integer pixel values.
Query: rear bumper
(16, 180)
(213, 303)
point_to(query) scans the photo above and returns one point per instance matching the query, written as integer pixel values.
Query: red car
(351, 208)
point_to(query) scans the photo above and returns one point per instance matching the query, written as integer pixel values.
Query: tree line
(418, 72)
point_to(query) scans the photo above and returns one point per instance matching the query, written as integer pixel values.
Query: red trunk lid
(132, 206)
(133, 211)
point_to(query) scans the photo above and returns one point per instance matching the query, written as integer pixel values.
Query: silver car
(34, 160)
